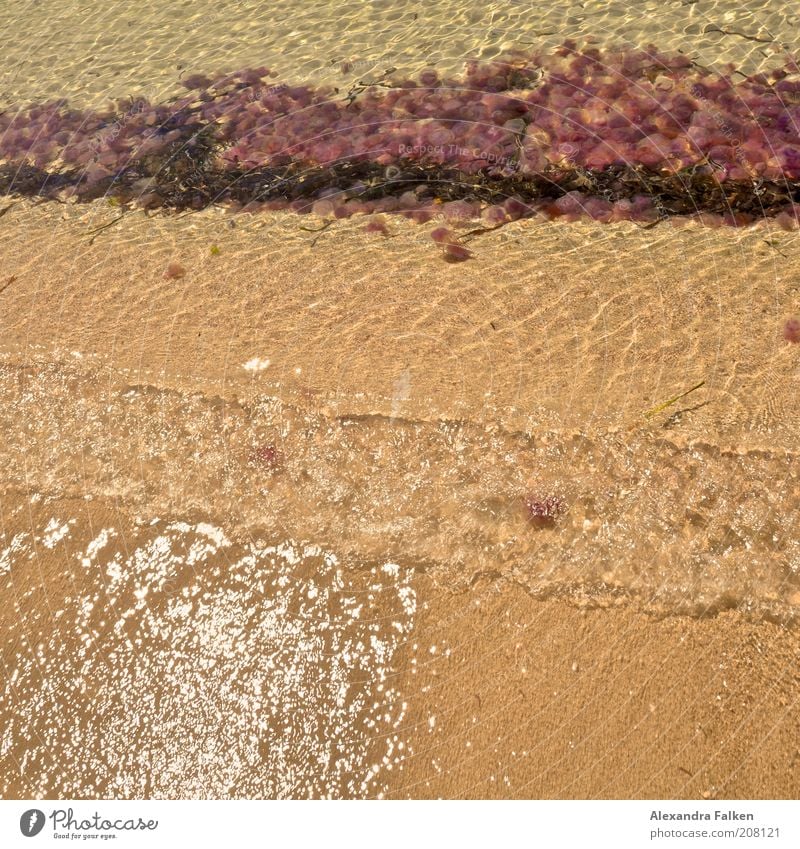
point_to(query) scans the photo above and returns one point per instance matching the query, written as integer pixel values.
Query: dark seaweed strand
(185, 180)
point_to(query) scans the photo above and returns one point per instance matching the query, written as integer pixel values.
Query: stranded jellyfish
(174, 271)
(543, 510)
(791, 330)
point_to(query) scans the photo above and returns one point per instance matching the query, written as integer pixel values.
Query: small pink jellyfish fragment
(429, 77)
(543, 510)
(196, 81)
(495, 215)
(266, 457)
(174, 271)
(456, 253)
(443, 236)
(421, 216)
(786, 221)
(323, 208)
(515, 208)
(376, 225)
(459, 210)
(791, 330)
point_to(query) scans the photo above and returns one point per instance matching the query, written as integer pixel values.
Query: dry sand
(297, 396)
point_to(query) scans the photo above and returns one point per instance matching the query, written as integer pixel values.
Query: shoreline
(491, 693)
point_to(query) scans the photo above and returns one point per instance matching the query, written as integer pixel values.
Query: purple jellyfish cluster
(578, 132)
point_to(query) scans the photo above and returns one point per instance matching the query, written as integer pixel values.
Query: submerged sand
(110, 51)
(275, 507)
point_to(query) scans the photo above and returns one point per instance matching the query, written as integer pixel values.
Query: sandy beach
(643, 647)
(264, 529)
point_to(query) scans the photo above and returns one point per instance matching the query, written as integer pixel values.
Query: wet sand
(313, 448)
(527, 699)
(486, 693)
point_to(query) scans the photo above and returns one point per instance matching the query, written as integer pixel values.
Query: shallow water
(680, 526)
(111, 51)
